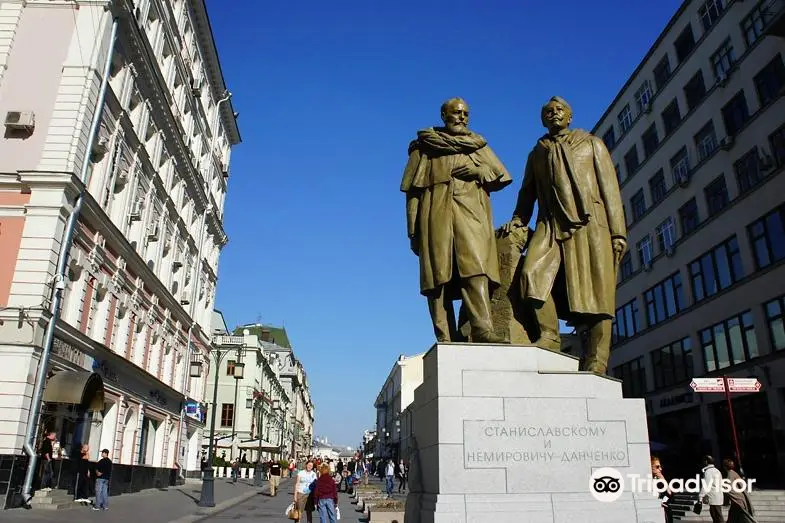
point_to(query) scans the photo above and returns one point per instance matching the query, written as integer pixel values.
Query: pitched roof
(277, 334)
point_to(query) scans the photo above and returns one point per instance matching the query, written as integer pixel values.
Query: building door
(756, 439)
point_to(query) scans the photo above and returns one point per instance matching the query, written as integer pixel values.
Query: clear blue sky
(329, 96)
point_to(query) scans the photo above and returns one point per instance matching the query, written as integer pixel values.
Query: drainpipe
(59, 281)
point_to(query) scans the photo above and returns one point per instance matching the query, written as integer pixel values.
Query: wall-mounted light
(239, 370)
(195, 369)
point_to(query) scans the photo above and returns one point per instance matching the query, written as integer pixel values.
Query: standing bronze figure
(580, 236)
(448, 180)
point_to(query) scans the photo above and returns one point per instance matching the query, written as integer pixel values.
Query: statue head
(556, 115)
(455, 115)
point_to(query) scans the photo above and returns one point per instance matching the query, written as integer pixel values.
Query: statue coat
(578, 175)
(451, 218)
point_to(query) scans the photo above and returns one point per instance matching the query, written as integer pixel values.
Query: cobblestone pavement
(175, 504)
(271, 510)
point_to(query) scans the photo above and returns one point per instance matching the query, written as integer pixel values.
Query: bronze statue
(580, 236)
(448, 180)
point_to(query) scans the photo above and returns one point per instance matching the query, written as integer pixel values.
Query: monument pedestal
(512, 434)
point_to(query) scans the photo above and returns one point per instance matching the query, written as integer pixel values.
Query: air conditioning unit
(196, 87)
(177, 264)
(765, 161)
(136, 211)
(153, 231)
(647, 107)
(727, 142)
(670, 250)
(722, 79)
(185, 302)
(646, 266)
(20, 120)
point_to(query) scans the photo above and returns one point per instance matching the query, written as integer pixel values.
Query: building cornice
(213, 66)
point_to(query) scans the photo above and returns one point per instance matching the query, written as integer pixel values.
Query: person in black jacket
(82, 483)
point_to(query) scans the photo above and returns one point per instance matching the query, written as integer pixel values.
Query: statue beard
(457, 129)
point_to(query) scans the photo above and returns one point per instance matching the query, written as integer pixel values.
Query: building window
(650, 140)
(716, 270)
(706, 141)
(662, 72)
(664, 300)
(770, 80)
(645, 253)
(610, 138)
(767, 235)
(631, 162)
(684, 43)
(722, 60)
(716, 195)
(633, 378)
(625, 266)
(729, 342)
(625, 119)
(643, 96)
(617, 168)
(248, 403)
(671, 117)
(752, 25)
(680, 166)
(710, 12)
(688, 216)
(227, 414)
(777, 142)
(672, 363)
(775, 318)
(230, 367)
(748, 171)
(657, 187)
(638, 205)
(666, 234)
(695, 90)
(735, 113)
(627, 322)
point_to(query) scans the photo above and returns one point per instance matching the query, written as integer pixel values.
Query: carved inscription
(495, 444)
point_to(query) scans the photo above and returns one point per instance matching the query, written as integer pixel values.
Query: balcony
(229, 341)
(775, 14)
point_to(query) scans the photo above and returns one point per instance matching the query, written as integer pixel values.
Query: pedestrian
(710, 492)
(103, 473)
(275, 477)
(325, 496)
(46, 452)
(82, 481)
(402, 472)
(656, 472)
(389, 474)
(235, 469)
(740, 510)
(303, 490)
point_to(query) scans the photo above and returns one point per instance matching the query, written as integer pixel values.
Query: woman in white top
(302, 491)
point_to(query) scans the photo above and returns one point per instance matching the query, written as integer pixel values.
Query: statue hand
(619, 248)
(511, 225)
(468, 172)
(414, 243)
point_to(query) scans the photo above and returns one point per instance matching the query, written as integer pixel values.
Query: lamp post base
(208, 488)
(258, 478)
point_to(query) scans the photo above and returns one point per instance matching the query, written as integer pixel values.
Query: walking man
(275, 477)
(712, 496)
(47, 453)
(103, 473)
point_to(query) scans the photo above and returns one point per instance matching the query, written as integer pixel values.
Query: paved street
(150, 506)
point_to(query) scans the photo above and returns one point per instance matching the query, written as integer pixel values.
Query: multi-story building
(141, 272)
(394, 427)
(300, 413)
(251, 409)
(697, 134)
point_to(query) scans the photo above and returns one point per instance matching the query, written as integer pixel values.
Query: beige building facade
(142, 270)
(698, 137)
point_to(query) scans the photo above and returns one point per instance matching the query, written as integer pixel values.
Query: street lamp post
(257, 481)
(208, 478)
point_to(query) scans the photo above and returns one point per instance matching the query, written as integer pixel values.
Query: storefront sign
(68, 352)
(677, 399)
(193, 410)
(158, 397)
(102, 367)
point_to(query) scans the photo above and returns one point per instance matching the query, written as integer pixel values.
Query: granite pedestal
(512, 434)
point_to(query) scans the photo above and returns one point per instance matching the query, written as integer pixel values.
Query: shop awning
(76, 388)
(254, 444)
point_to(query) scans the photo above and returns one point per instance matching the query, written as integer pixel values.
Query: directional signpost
(727, 385)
